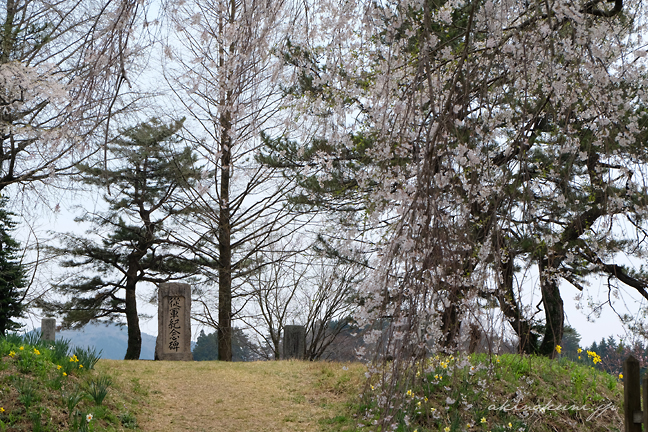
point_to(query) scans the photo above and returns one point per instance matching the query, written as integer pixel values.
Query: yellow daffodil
(2, 409)
(80, 366)
(595, 357)
(447, 429)
(620, 376)
(21, 348)
(579, 351)
(483, 419)
(558, 348)
(64, 374)
(12, 353)
(36, 351)
(59, 367)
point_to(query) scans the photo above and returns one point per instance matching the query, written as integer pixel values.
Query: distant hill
(111, 339)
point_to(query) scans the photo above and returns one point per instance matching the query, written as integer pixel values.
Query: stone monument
(48, 329)
(174, 322)
(294, 343)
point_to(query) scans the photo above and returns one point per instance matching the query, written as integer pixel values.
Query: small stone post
(294, 344)
(632, 395)
(48, 329)
(174, 322)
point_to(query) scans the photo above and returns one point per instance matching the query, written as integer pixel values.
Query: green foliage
(36, 389)
(500, 393)
(12, 273)
(570, 343)
(88, 357)
(206, 347)
(60, 349)
(72, 398)
(28, 393)
(98, 388)
(149, 167)
(128, 420)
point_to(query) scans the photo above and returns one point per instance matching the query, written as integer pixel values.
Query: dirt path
(215, 396)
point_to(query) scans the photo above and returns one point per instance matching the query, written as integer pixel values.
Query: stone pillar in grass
(174, 322)
(48, 329)
(294, 343)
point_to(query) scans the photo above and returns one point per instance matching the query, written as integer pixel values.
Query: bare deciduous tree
(308, 289)
(221, 66)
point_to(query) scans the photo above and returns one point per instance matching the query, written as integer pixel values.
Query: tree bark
(224, 245)
(451, 322)
(528, 342)
(132, 319)
(553, 307)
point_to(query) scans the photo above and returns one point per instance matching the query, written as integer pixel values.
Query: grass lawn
(258, 396)
(45, 387)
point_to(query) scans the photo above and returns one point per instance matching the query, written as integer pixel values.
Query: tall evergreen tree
(12, 273)
(147, 170)
(207, 346)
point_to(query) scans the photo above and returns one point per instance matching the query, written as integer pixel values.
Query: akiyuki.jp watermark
(595, 412)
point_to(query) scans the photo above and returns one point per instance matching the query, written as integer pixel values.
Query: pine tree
(12, 273)
(207, 346)
(142, 180)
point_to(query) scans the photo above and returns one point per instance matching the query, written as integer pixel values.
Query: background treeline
(244, 348)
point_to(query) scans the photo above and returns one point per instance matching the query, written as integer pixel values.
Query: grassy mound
(45, 386)
(504, 393)
(272, 396)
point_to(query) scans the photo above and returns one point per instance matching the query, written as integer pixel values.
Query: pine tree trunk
(528, 342)
(554, 310)
(132, 321)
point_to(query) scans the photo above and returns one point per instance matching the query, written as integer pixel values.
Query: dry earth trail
(228, 397)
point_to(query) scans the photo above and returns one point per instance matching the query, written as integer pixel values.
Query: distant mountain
(111, 339)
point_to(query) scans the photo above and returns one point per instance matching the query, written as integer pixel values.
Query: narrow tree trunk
(277, 350)
(132, 321)
(528, 342)
(475, 338)
(224, 246)
(554, 310)
(132, 277)
(8, 30)
(451, 322)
